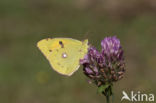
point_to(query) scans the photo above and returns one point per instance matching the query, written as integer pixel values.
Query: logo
(138, 96)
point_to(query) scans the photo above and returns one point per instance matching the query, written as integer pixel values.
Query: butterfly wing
(63, 53)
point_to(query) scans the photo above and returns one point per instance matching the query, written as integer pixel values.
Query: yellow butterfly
(63, 54)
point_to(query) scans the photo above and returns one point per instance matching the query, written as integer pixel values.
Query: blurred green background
(25, 74)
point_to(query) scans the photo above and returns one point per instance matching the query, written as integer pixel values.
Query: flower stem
(107, 99)
(108, 92)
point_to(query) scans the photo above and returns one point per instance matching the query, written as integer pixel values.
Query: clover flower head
(106, 66)
(111, 48)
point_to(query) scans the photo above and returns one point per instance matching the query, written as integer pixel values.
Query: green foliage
(102, 88)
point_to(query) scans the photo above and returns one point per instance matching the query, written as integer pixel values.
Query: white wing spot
(64, 55)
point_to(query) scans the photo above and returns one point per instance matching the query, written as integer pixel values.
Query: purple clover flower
(111, 48)
(106, 66)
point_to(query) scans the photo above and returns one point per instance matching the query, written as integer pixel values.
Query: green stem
(106, 91)
(107, 99)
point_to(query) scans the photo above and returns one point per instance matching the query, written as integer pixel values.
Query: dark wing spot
(61, 43)
(80, 50)
(50, 50)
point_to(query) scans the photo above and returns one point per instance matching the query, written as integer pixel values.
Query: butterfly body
(63, 54)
